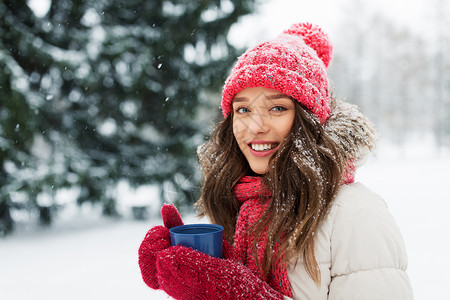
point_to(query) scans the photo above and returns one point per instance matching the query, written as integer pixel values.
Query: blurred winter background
(103, 103)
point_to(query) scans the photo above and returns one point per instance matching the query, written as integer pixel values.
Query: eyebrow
(270, 97)
(277, 96)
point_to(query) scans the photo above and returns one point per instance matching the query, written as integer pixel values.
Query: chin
(259, 170)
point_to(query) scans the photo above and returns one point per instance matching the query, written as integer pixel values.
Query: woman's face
(262, 118)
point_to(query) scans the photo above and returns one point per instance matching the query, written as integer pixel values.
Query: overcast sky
(273, 16)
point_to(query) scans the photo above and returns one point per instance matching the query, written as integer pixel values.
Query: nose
(258, 124)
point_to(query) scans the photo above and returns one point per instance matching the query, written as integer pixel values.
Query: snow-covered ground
(85, 258)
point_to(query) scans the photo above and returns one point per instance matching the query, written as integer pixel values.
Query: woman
(279, 176)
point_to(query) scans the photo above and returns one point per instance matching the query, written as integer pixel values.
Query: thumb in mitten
(170, 216)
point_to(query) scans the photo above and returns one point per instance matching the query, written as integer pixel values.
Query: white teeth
(262, 147)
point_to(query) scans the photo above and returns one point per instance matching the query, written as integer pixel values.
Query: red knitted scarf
(254, 201)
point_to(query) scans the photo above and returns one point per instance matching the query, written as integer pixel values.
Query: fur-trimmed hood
(353, 132)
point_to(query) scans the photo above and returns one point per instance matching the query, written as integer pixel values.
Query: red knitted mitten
(156, 240)
(185, 274)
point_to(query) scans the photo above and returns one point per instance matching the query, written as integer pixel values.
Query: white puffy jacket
(360, 252)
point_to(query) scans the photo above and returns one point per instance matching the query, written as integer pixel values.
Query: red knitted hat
(295, 63)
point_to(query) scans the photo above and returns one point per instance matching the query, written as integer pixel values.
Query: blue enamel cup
(206, 238)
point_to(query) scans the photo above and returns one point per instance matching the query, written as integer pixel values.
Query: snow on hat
(295, 64)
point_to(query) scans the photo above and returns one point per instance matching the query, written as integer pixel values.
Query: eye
(278, 108)
(242, 110)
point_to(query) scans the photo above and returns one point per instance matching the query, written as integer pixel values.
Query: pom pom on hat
(294, 63)
(315, 38)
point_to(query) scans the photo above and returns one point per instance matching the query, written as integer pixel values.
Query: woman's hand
(156, 240)
(186, 274)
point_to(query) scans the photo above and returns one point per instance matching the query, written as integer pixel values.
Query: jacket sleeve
(368, 256)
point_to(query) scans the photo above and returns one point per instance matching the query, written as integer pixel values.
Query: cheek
(239, 130)
(287, 126)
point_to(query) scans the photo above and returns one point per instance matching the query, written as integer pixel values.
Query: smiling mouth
(263, 147)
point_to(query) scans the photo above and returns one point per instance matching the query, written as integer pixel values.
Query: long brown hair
(304, 176)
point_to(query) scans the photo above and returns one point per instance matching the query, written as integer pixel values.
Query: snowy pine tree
(94, 92)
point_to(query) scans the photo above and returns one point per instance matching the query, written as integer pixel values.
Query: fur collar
(354, 134)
